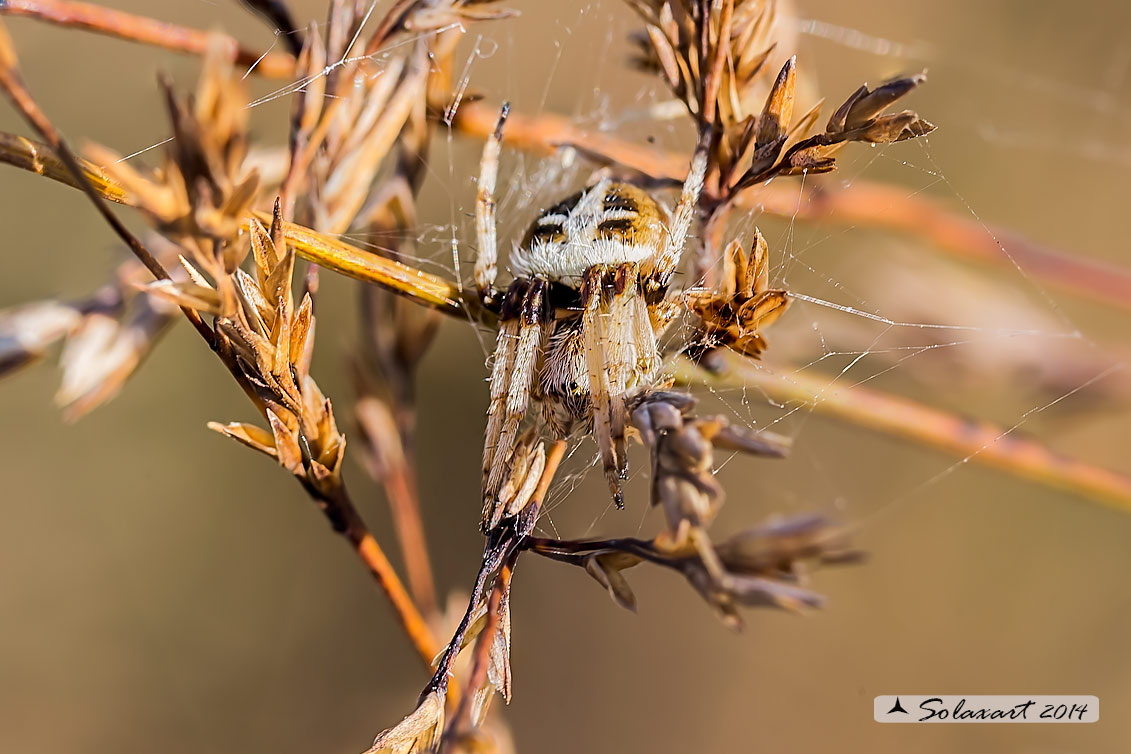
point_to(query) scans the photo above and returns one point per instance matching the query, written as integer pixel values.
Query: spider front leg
(658, 271)
(620, 356)
(594, 316)
(487, 255)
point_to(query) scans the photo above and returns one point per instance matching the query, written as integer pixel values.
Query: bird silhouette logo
(898, 708)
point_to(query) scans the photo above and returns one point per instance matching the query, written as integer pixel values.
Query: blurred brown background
(162, 588)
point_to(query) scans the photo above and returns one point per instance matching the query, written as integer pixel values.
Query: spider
(580, 322)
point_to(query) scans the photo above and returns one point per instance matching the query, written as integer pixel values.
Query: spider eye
(620, 228)
(548, 234)
(615, 201)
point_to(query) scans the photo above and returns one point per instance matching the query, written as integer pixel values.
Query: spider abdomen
(608, 223)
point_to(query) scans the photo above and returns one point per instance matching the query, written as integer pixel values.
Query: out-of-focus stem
(969, 439)
(400, 488)
(149, 31)
(862, 203)
(375, 560)
(336, 505)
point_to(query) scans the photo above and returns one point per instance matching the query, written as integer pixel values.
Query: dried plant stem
(410, 618)
(344, 518)
(400, 488)
(146, 30)
(895, 415)
(337, 506)
(892, 208)
(553, 460)
(394, 324)
(327, 252)
(501, 546)
(479, 660)
(862, 204)
(41, 159)
(969, 439)
(403, 495)
(353, 262)
(21, 98)
(343, 258)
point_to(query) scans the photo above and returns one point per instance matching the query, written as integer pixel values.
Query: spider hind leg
(518, 355)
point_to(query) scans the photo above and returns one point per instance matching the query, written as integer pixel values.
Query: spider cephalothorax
(580, 322)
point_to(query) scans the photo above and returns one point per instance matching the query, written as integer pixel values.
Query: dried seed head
(419, 732)
(735, 316)
(682, 449)
(606, 570)
(779, 547)
(498, 677)
(203, 191)
(713, 60)
(777, 113)
(26, 332)
(103, 353)
(272, 343)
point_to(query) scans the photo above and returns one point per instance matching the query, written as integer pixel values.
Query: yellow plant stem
(901, 417)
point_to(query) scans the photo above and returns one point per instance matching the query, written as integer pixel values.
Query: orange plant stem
(967, 438)
(400, 488)
(149, 31)
(410, 618)
(863, 203)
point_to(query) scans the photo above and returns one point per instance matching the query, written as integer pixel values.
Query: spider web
(845, 325)
(871, 308)
(1022, 144)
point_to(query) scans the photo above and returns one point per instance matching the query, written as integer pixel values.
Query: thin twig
(863, 204)
(374, 558)
(337, 507)
(501, 544)
(146, 30)
(969, 439)
(481, 657)
(23, 101)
